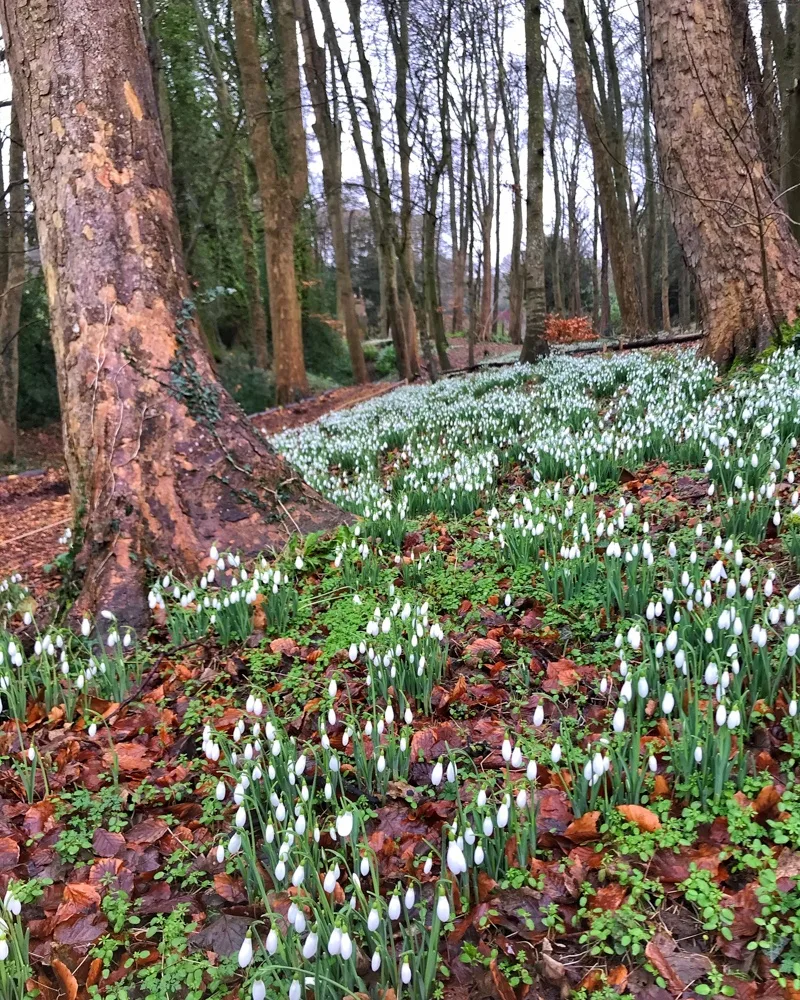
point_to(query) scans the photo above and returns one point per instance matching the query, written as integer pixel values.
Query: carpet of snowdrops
(529, 726)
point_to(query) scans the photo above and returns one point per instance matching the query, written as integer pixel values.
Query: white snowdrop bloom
(271, 943)
(310, 946)
(667, 703)
(437, 774)
(793, 707)
(245, 956)
(634, 637)
(642, 687)
(698, 754)
(792, 643)
(721, 715)
(373, 920)
(538, 715)
(220, 854)
(405, 972)
(506, 749)
(555, 753)
(734, 718)
(258, 991)
(443, 908)
(456, 862)
(335, 941)
(532, 770)
(618, 722)
(410, 898)
(375, 962)
(394, 909)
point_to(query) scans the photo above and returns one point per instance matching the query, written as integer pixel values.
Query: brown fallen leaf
(286, 646)
(68, 982)
(662, 966)
(480, 649)
(640, 816)
(582, 830)
(501, 984)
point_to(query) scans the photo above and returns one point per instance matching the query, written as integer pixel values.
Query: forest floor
(537, 710)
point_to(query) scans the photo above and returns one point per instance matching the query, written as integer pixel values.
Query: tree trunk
(535, 345)
(486, 231)
(684, 296)
(457, 239)
(605, 294)
(282, 181)
(387, 238)
(648, 250)
(736, 240)
(257, 315)
(12, 294)
(159, 77)
(553, 95)
(497, 262)
(620, 239)
(595, 271)
(573, 228)
(665, 317)
(327, 132)
(161, 461)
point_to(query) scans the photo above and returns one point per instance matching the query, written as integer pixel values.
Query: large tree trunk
(257, 314)
(282, 181)
(535, 345)
(326, 130)
(736, 240)
(12, 294)
(620, 238)
(161, 460)
(665, 317)
(648, 249)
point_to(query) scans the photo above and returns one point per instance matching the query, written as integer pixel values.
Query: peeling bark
(161, 461)
(734, 235)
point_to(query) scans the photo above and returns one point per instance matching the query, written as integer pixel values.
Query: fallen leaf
(582, 830)
(640, 816)
(659, 962)
(69, 983)
(482, 649)
(9, 853)
(501, 984)
(288, 647)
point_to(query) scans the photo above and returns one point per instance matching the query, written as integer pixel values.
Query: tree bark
(328, 137)
(620, 239)
(665, 317)
(553, 97)
(535, 345)
(161, 461)
(734, 236)
(257, 314)
(282, 181)
(648, 250)
(12, 294)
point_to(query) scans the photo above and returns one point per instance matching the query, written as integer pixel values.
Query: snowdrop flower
(667, 702)
(555, 753)
(394, 908)
(346, 947)
(618, 722)
(437, 774)
(246, 951)
(538, 715)
(792, 643)
(698, 754)
(793, 707)
(532, 770)
(271, 944)
(335, 941)
(405, 972)
(443, 907)
(456, 862)
(506, 749)
(634, 637)
(734, 718)
(642, 687)
(373, 920)
(258, 990)
(344, 824)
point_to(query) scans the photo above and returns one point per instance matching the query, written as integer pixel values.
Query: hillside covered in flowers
(525, 727)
